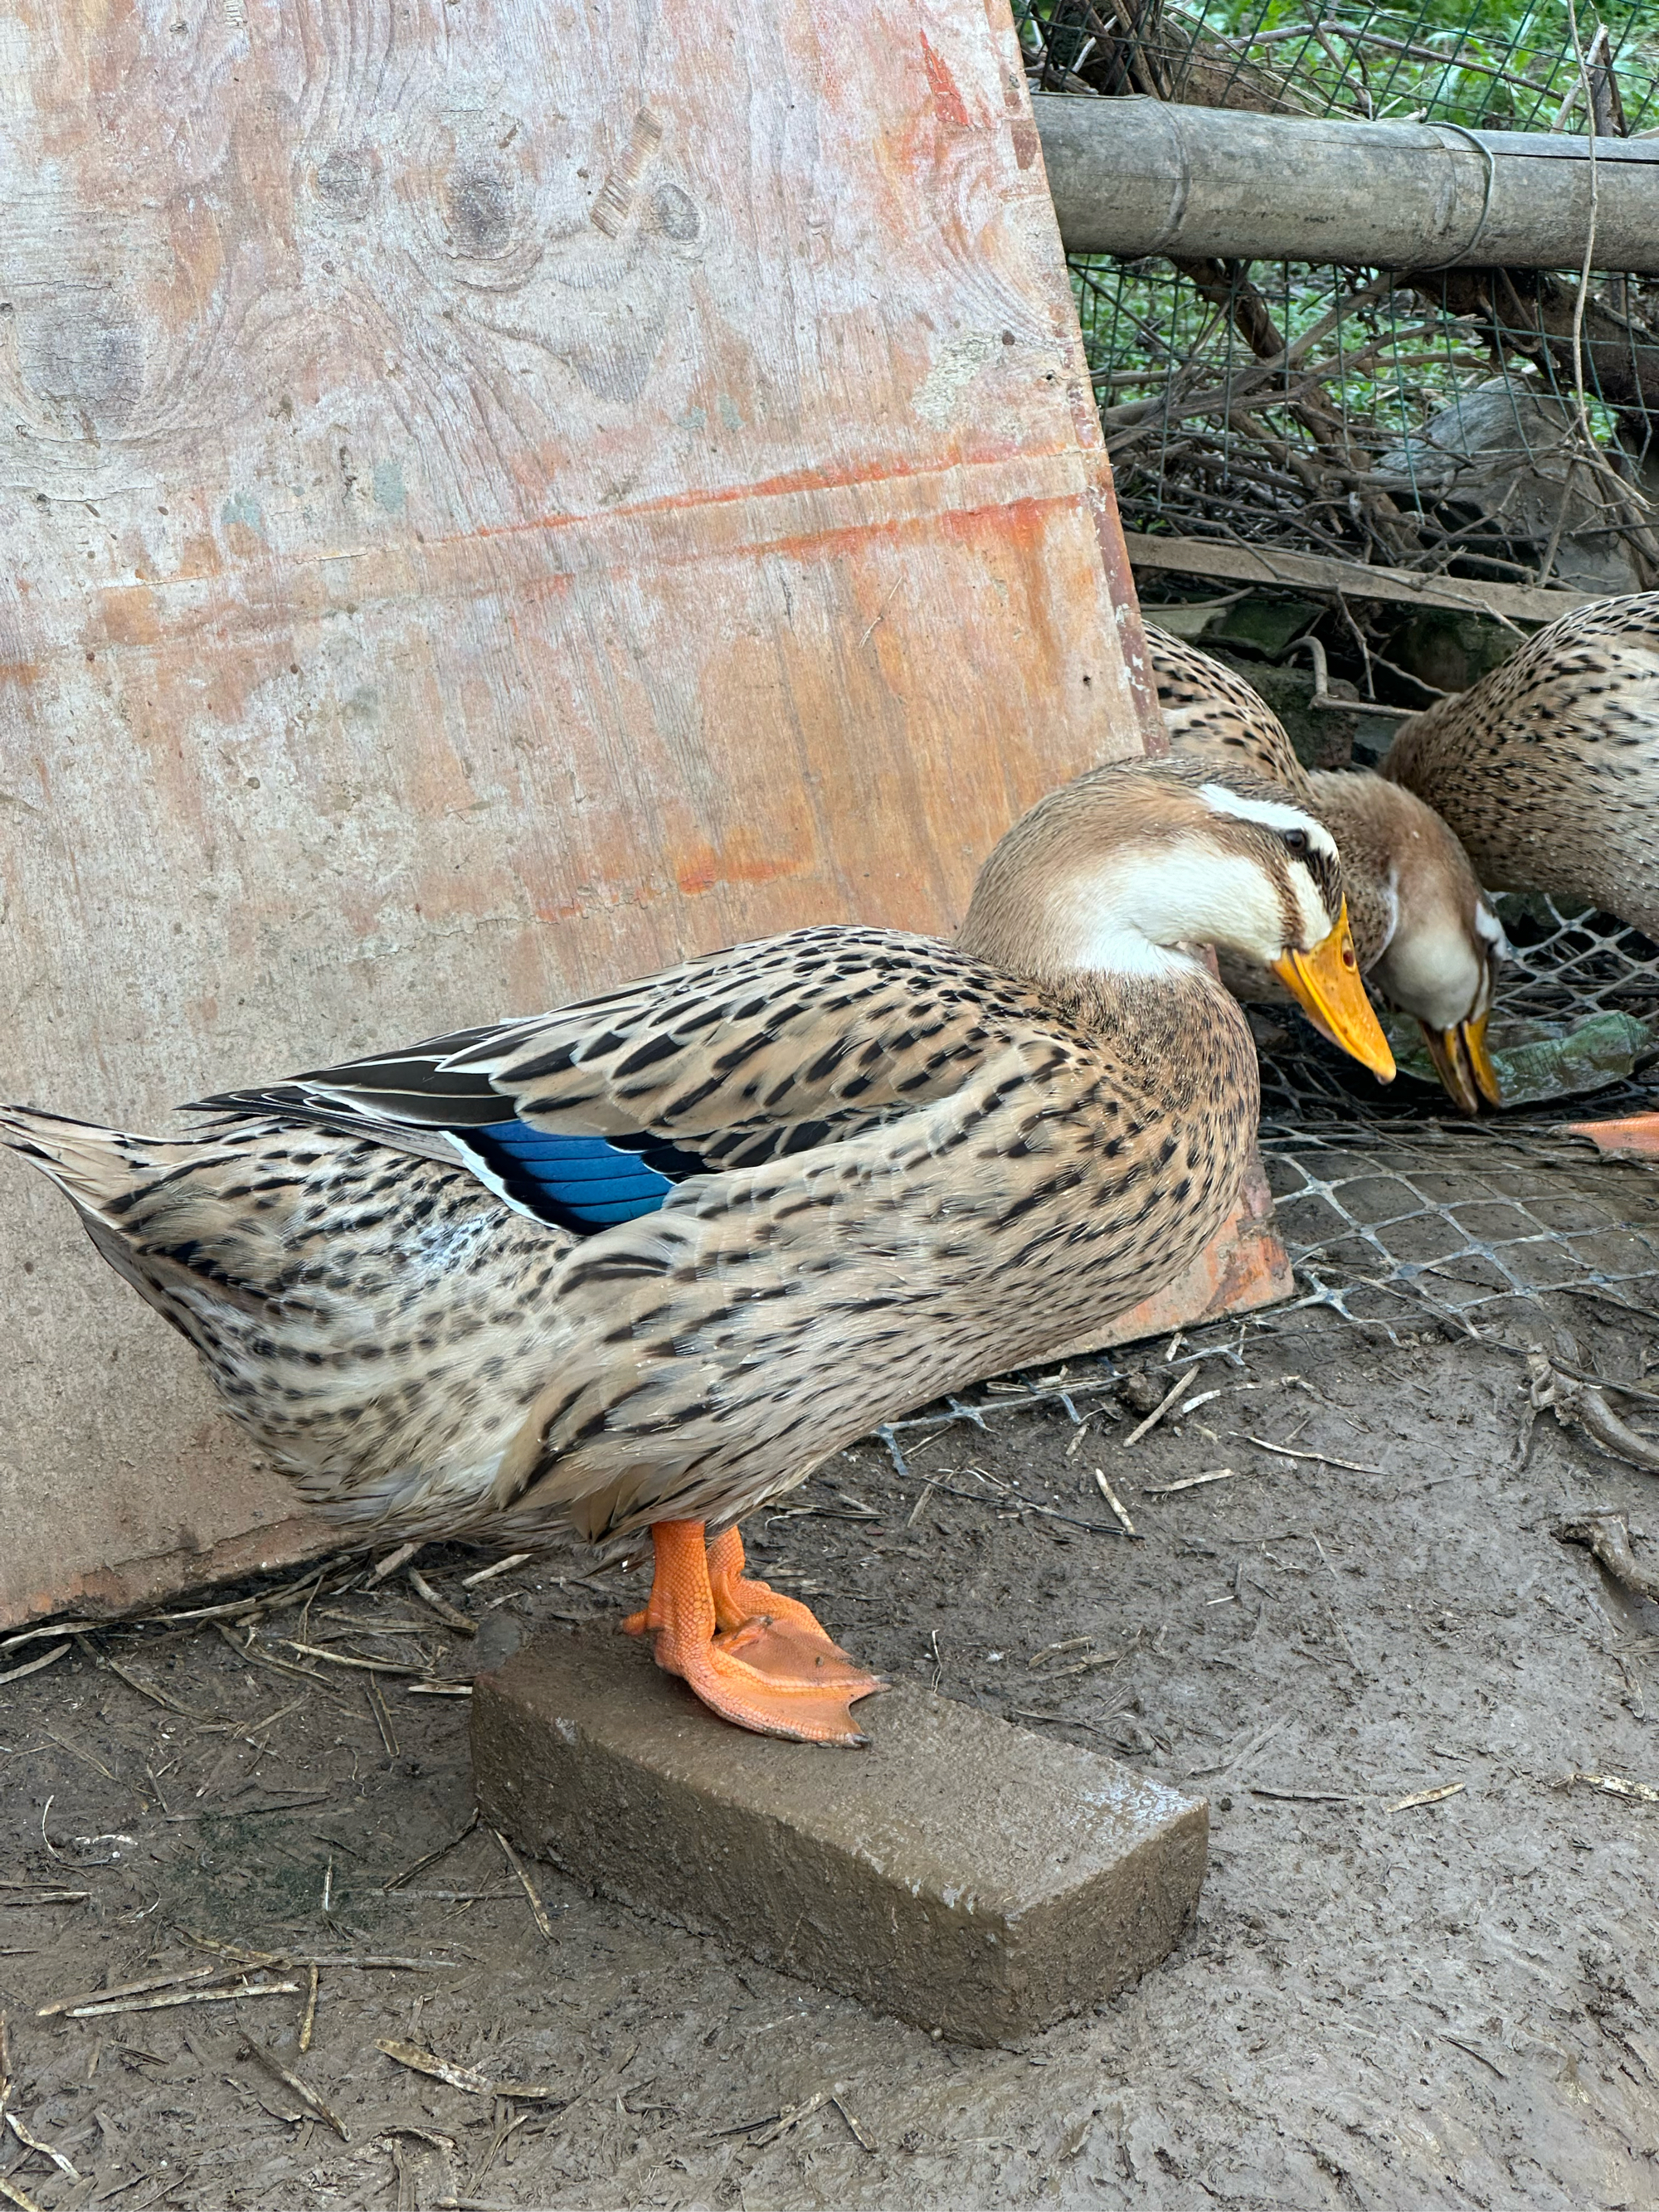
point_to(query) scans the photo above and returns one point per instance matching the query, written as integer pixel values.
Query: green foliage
(1486, 64)
(1492, 65)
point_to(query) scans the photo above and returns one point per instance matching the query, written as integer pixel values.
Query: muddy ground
(1455, 2003)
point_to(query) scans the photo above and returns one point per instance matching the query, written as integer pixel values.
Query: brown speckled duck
(1548, 770)
(646, 1261)
(1425, 936)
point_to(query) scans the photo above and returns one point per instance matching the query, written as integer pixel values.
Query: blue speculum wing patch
(579, 1183)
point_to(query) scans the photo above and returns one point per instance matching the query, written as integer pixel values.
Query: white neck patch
(1490, 931)
(1139, 911)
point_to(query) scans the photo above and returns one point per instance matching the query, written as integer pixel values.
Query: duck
(1426, 935)
(644, 1261)
(1548, 768)
(1548, 771)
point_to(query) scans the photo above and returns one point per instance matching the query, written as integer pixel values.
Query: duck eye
(1295, 841)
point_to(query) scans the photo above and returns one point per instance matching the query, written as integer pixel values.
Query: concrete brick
(960, 1873)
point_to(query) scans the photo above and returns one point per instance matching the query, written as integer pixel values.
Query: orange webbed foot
(738, 1599)
(757, 1659)
(1637, 1137)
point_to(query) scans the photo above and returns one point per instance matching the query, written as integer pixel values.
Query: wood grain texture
(496, 498)
(1319, 571)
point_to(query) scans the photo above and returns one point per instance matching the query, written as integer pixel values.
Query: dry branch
(1607, 1538)
(470, 2078)
(312, 2103)
(1578, 1405)
(1227, 285)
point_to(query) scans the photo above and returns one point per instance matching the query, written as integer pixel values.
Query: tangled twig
(1578, 1405)
(1607, 1538)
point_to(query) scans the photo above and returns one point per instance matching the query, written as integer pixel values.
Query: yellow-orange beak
(1463, 1064)
(1326, 985)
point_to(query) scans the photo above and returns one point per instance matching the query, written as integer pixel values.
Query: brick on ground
(958, 1872)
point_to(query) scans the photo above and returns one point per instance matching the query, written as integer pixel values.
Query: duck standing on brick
(647, 1260)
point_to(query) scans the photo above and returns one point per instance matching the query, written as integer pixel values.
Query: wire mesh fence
(1448, 423)
(1573, 962)
(1458, 1226)
(1490, 423)
(1486, 423)
(1492, 67)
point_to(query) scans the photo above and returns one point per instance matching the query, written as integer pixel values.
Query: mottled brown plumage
(1424, 935)
(1212, 713)
(886, 1165)
(1548, 768)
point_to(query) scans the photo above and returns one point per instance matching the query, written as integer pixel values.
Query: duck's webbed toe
(1635, 1137)
(758, 1660)
(738, 1600)
(771, 1677)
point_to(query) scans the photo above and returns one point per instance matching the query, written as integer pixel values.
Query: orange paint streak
(814, 477)
(126, 614)
(200, 557)
(704, 869)
(946, 98)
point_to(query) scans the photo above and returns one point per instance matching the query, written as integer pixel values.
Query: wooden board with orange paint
(497, 496)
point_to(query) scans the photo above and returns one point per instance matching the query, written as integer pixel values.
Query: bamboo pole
(1133, 177)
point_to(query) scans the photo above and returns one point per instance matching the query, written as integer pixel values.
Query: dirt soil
(1425, 1969)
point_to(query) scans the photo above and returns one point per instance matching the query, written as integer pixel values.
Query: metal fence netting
(1488, 67)
(1487, 424)
(1481, 422)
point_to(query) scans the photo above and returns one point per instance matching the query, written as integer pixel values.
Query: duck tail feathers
(93, 1167)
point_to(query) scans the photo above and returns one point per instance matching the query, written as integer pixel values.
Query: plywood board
(496, 498)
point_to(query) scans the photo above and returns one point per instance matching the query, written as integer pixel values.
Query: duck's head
(1433, 945)
(1442, 967)
(1130, 870)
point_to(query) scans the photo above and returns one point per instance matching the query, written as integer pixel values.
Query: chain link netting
(1488, 424)
(1459, 1225)
(1428, 423)
(1367, 413)
(1492, 67)
(1570, 963)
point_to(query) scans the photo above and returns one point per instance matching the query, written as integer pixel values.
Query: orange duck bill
(757, 1659)
(1326, 985)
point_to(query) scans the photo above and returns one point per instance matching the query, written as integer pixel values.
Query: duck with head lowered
(1425, 935)
(646, 1261)
(1548, 770)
